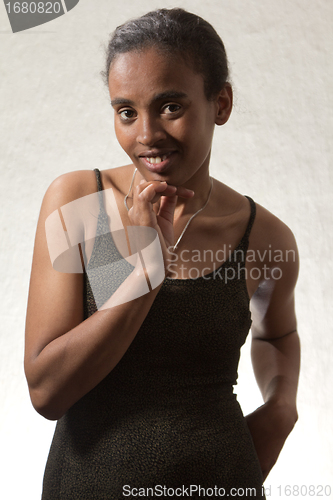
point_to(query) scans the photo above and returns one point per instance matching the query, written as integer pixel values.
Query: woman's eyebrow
(121, 100)
(169, 94)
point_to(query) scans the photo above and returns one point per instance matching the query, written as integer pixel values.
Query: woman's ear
(224, 105)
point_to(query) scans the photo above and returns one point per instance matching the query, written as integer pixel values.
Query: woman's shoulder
(79, 183)
(272, 246)
(268, 231)
(271, 231)
(70, 186)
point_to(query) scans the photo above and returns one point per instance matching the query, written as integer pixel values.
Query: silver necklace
(191, 218)
(130, 188)
(195, 214)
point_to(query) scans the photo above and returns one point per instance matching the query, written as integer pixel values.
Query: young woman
(140, 379)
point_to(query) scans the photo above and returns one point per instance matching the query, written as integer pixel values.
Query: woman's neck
(202, 193)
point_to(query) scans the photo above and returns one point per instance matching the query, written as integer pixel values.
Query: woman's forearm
(276, 364)
(72, 364)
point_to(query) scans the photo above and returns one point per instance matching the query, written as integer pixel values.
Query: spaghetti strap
(100, 191)
(98, 179)
(252, 217)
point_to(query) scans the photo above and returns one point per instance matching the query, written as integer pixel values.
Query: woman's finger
(184, 192)
(152, 192)
(167, 208)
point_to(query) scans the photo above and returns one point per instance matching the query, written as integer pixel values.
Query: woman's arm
(65, 355)
(275, 352)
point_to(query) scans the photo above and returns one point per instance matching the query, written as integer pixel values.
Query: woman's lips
(158, 163)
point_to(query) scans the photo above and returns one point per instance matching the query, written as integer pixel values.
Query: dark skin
(161, 110)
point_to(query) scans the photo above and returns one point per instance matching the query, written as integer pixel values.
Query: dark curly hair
(177, 32)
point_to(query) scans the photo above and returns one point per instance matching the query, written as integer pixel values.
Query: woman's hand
(270, 425)
(146, 197)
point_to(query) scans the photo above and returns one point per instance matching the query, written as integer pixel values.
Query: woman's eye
(126, 114)
(171, 108)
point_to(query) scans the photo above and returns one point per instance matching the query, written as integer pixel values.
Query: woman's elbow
(42, 398)
(45, 405)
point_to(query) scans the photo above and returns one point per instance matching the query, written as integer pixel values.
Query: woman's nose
(150, 131)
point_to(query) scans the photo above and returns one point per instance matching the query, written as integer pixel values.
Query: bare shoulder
(73, 185)
(272, 246)
(269, 231)
(69, 187)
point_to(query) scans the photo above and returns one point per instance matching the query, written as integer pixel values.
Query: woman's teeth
(156, 159)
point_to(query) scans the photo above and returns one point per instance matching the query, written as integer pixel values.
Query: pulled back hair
(176, 32)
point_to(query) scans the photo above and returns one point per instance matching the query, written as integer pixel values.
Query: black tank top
(166, 414)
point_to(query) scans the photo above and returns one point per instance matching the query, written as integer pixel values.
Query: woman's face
(163, 120)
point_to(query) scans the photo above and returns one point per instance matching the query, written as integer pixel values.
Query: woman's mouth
(157, 163)
(156, 159)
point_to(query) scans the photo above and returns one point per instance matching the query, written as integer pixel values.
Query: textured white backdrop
(56, 117)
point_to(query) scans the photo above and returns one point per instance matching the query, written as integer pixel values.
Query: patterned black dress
(165, 422)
